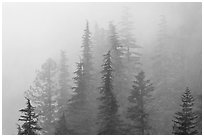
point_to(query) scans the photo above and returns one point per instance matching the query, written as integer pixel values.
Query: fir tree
(185, 120)
(108, 117)
(139, 95)
(82, 108)
(163, 78)
(89, 83)
(161, 59)
(43, 94)
(116, 48)
(132, 55)
(77, 108)
(64, 87)
(30, 120)
(87, 56)
(120, 77)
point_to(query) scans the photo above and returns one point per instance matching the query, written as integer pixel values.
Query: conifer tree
(116, 49)
(161, 59)
(82, 104)
(131, 49)
(185, 120)
(64, 87)
(120, 78)
(86, 51)
(30, 119)
(163, 77)
(43, 94)
(108, 110)
(89, 83)
(139, 95)
(77, 108)
(128, 41)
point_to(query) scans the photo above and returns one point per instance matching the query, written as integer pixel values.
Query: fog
(33, 32)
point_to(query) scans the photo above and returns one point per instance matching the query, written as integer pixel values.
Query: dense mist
(167, 46)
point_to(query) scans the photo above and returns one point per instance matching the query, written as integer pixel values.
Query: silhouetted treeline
(112, 92)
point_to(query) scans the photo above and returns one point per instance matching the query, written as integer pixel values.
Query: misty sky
(33, 32)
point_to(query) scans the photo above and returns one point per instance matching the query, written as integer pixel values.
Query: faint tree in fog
(131, 58)
(161, 59)
(128, 41)
(185, 120)
(64, 87)
(30, 119)
(163, 78)
(100, 46)
(61, 128)
(43, 94)
(108, 110)
(139, 95)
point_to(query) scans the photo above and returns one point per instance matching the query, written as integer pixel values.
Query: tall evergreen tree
(139, 95)
(162, 76)
(43, 94)
(116, 48)
(108, 110)
(86, 53)
(161, 56)
(82, 106)
(77, 108)
(132, 55)
(64, 87)
(120, 78)
(30, 119)
(185, 120)
(89, 83)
